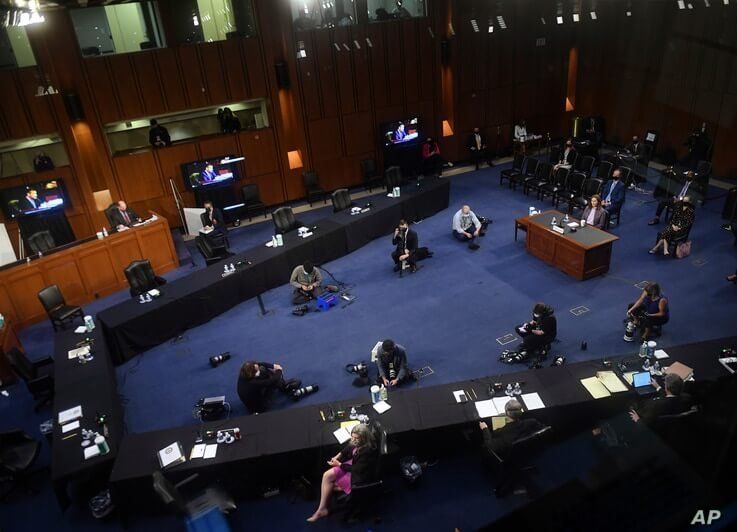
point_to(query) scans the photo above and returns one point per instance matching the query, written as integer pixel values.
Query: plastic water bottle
(141, 299)
(554, 221)
(565, 219)
(104, 231)
(232, 268)
(89, 323)
(148, 298)
(353, 414)
(643, 350)
(517, 389)
(384, 394)
(225, 268)
(509, 391)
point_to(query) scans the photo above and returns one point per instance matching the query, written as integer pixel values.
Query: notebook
(682, 370)
(595, 388)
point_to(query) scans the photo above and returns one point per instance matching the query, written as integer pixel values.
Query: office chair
(543, 176)
(252, 201)
(211, 498)
(529, 171)
(560, 177)
(516, 466)
(141, 277)
(211, 251)
(110, 216)
(341, 199)
(56, 307)
(42, 241)
(371, 176)
(18, 452)
(284, 220)
(516, 169)
(393, 177)
(312, 187)
(591, 186)
(39, 383)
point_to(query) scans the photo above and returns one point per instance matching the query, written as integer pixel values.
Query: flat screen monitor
(211, 172)
(401, 132)
(33, 198)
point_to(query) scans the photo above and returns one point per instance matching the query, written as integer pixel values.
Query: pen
(322, 415)
(474, 394)
(70, 436)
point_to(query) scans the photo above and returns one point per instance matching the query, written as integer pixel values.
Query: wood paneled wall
(659, 69)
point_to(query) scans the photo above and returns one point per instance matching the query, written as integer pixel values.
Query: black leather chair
(604, 170)
(110, 213)
(517, 164)
(585, 165)
(252, 201)
(543, 176)
(393, 177)
(42, 241)
(38, 375)
(209, 498)
(560, 177)
(554, 156)
(210, 250)
(574, 188)
(371, 176)
(56, 307)
(341, 199)
(312, 187)
(591, 186)
(216, 239)
(529, 171)
(141, 277)
(514, 468)
(284, 220)
(18, 452)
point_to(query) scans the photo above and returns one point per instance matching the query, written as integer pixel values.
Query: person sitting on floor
(515, 428)
(353, 466)
(467, 226)
(406, 243)
(391, 361)
(671, 401)
(650, 310)
(684, 214)
(594, 213)
(307, 281)
(257, 381)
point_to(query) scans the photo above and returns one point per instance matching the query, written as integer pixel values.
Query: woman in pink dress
(354, 465)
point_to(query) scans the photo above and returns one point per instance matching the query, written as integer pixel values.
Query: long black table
(287, 436)
(131, 327)
(93, 386)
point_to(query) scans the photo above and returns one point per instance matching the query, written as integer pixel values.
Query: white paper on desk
(532, 401)
(486, 408)
(198, 451)
(270, 244)
(69, 427)
(382, 406)
(81, 329)
(210, 451)
(659, 353)
(460, 395)
(342, 435)
(76, 353)
(573, 224)
(70, 414)
(91, 452)
(500, 403)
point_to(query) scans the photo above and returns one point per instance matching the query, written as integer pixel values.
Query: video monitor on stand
(401, 140)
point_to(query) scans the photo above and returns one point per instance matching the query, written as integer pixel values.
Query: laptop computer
(641, 383)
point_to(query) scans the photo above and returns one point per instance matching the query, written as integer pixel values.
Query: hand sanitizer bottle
(104, 231)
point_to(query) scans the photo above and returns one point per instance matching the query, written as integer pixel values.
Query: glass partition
(381, 10)
(15, 50)
(315, 14)
(212, 20)
(18, 156)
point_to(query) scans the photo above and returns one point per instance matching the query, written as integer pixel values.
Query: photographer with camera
(257, 381)
(307, 281)
(406, 242)
(391, 360)
(649, 311)
(537, 334)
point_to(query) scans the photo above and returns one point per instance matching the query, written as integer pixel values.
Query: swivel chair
(341, 199)
(284, 220)
(56, 307)
(41, 242)
(141, 277)
(39, 382)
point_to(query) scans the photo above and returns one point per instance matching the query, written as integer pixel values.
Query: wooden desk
(84, 272)
(8, 340)
(582, 255)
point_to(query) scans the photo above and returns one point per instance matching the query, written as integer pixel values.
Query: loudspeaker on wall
(74, 106)
(282, 75)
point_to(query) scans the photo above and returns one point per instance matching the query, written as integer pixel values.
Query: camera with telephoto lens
(360, 368)
(216, 360)
(304, 391)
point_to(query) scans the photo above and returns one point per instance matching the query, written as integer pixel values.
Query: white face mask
(258, 372)
(536, 316)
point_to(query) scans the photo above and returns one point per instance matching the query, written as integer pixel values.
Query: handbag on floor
(683, 249)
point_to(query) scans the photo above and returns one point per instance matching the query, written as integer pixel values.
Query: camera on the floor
(216, 360)
(210, 408)
(304, 391)
(360, 368)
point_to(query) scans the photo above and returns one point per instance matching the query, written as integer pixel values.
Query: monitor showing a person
(401, 131)
(32, 198)
(210, 172)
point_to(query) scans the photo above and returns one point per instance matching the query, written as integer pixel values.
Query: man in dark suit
(636, 148)
(671, 401)
(478, 148)
(158, 135)
(208, 174)
(612, 193)
(406, 242)
(257, 381)
(124, 216)
(30, 201)
(501, 440)
(214, 218)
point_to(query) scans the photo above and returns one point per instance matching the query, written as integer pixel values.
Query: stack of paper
(660, 354)
(595, 388)
(532, 401)
(80, 351)
(629, 376)
(501, 402)
(342, 435)
(610, 380)
(70, 414)
(486, 408)
(382, 406)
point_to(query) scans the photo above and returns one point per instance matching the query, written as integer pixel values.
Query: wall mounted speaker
(282, 75)
(74, 106)
(445, 51)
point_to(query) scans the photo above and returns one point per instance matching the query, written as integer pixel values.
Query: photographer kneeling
(536, 334)
(649, 312)
(257, 381)
(391, 361)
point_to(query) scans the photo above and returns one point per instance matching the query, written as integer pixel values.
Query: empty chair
(341, 199)
(560, 176)
(194, 506)
(516, 169)
(515, 466)
(543, 177)
(591, 186)
(393, 177)
(18, 452)
(371, 176)
(212, 251)
(284, 220)
(312, 187)
(41, 242)
(574, 188)
(252, 201)
(141, 277)
(554, 156)
(584, 164)
(604, 171)
(529, 171)
(57, 309)
(36, 374)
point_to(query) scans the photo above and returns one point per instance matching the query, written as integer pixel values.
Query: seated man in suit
(307, 281)
(406, 243)
(613, 193)
(214, 218)
(636, 148)
(515, 428)
(30, 201)
(478, 148)
(467, 226)
(671, 400)
(124, 217)
(208, 174)
(257, 381)
(391, 361)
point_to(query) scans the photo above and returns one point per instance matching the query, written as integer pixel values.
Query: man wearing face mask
(405, 242)
(567, 155)
(213, 217)
(636, 148)
(540, 331)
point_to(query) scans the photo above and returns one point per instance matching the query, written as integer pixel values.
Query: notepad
(660, 354)
(81, 329)
(91, 452)
(382, 406)
(610, 380)
(342, 435)
(171, 455)
(501, 402)
(595, 388)
(69, 427)
(210, 451)
(348, 425)
(460, 396)
(76, 353)
(532, 401)
(629, 376)
(70, 414)
(498, 422)
(486, 408)
(198, 451)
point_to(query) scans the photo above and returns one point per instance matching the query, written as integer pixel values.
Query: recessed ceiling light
(681, 4)
(576, 18)
(559, 19)
(593, 15)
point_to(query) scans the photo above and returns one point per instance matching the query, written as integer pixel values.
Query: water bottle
(225, 268)
(353, 414)
(375, 394)
(554, 221)
(517, 389)
(141, 299)
(565, 218)
(279, 240)
(646, 365)
(148, 298)
(532, 210)
(104, 231)
(89, 323)
(232, 268)
(384, 394)
(509, 391)
(643, 350)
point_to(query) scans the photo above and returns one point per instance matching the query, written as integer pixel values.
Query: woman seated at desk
(594, 213)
